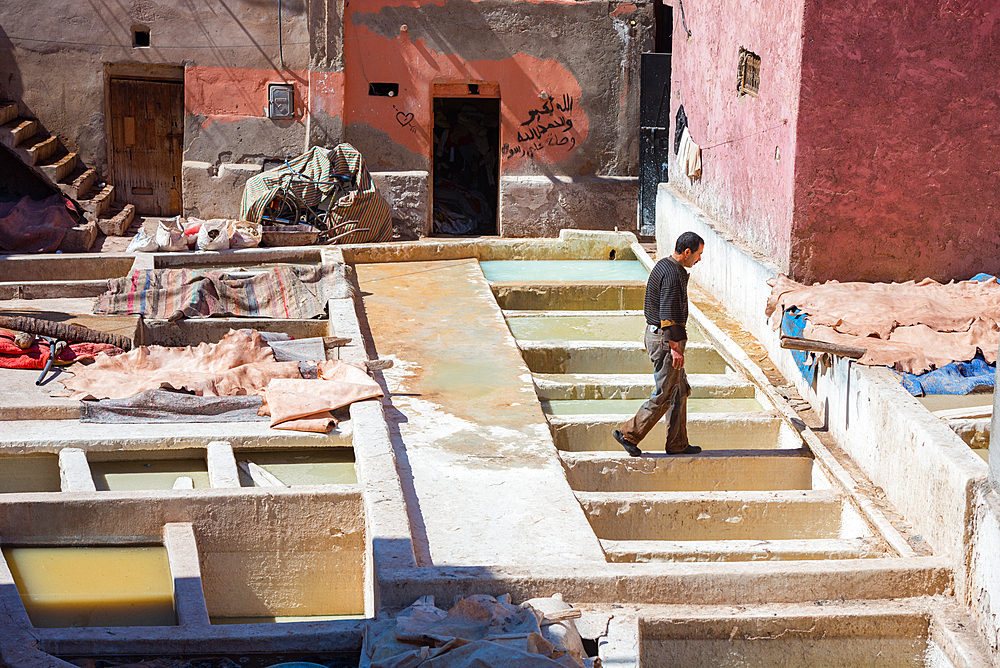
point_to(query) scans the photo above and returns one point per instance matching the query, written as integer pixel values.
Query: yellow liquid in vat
(93, 586)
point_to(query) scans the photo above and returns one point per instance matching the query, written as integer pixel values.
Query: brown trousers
(669, 398)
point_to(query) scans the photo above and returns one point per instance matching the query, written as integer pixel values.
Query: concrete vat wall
(898, 148)
(748, 143)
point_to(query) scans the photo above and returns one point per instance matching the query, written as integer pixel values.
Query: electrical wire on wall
(281, 54)
(683, 21)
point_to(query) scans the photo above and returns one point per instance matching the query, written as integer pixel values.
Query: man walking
(666, 310)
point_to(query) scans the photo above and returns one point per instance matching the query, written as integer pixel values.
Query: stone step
(17, 131)
(653, 551)
(98, 200)
(59, 165)
(682, 516)
(36, 149)
(559, 357)
(577, 386)
(8, 112)
(117, 221)
(79, 182)
(711, 471)
(712, 431)
(80, 238)
(618, 296)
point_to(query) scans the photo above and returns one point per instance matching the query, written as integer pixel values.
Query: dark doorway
(146, 144)
(466, 165)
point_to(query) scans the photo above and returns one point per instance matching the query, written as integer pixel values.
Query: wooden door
(146, 138)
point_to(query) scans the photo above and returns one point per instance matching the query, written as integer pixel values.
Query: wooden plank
(811, 345)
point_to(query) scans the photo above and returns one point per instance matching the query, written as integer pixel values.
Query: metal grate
(748, 78)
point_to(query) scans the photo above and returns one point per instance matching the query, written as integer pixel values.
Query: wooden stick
(797, 343)
(969, 413)
(58, 330)
(560, 616)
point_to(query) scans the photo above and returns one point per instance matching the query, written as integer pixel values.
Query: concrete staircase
(83, 184)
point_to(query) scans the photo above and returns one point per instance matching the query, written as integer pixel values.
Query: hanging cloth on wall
(690, 156)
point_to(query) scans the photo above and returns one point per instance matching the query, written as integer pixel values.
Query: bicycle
(289, 204)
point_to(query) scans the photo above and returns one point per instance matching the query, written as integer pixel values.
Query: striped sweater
(666, 297)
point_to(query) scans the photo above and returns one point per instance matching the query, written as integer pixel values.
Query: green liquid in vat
(148, 475)
(332, 466)
(93, 586)
(544, 271)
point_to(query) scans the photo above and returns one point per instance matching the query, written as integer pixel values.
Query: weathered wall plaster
(748, 144)
(53, 61)
(896, 168)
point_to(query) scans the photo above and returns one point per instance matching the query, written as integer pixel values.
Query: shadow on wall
(11, 87)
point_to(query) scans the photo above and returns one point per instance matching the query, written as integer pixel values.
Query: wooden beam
(811, 345)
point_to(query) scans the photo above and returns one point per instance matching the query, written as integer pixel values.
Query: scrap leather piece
(238, 364)
(912, 327)
(340, 383)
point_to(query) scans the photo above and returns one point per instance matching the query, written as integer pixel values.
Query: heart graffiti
(403, 119)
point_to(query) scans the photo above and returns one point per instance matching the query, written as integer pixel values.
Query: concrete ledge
(541, 206)
(214, 192)
(714, 431)
(571, 245)
(775, 515)
(574, 296)
(74, 471)
(53, 289)
(408, 197)
(655, 551)
(569, 386)
(714, 470)
(185, 570)
(221, 464)
(594, 357)
(739, 583)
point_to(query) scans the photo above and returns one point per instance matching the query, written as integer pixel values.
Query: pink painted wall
(545, 131)
(748, 144)
(899, 147)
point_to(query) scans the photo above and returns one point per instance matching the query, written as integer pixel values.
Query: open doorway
(466, 165)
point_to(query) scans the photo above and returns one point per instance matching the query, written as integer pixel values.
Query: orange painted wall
(229, 93)
(532, 128)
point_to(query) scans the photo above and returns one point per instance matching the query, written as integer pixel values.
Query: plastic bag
(244, 234)
(170, 235)
(143, 242)
(213, 235)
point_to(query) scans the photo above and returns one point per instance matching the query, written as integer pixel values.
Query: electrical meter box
(281, 101)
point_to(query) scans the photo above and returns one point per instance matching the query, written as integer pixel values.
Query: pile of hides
(36, 355)
(297, 395)
(363, 204)
(478, 632)
(36, 226)
(294, 292)
(911, 327)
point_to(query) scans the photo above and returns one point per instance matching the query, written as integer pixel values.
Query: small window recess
(383, 89)
(748, 77)
(140, 37)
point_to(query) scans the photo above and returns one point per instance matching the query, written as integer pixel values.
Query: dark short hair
(688, 241)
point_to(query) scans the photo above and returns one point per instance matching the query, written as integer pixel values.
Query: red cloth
(30, 226)
(35, 357)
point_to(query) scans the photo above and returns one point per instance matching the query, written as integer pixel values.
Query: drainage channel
(756, 492)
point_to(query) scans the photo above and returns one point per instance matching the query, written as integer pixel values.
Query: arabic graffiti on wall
(549, 126)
